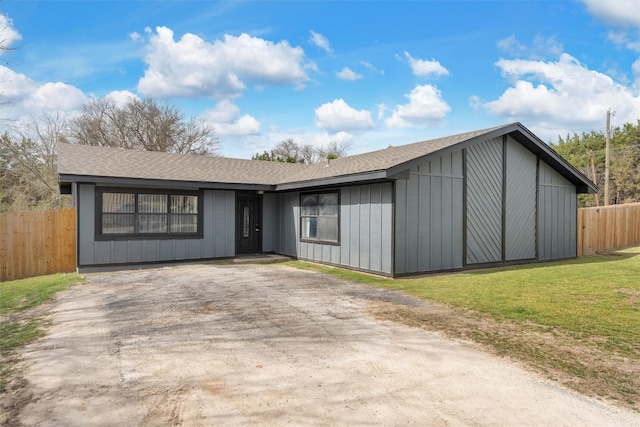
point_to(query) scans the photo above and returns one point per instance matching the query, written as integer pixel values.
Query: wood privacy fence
(606, 228)
(37, 242)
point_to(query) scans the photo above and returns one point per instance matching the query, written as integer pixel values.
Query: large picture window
(320, 217)
(124, 213)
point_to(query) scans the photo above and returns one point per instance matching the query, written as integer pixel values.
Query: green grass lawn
(587, 310)
(17, 326)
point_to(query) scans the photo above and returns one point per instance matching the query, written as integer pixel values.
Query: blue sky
(366, 73)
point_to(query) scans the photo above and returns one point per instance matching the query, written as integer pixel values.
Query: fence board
(37, 243)
(602, 229)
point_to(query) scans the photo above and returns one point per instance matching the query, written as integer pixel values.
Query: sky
(367, 74)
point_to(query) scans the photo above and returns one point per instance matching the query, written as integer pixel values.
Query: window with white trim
(124, 213)
(320, 217)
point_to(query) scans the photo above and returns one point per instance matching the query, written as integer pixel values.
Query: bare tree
(142, 124)
(28, 164)
(333, 150)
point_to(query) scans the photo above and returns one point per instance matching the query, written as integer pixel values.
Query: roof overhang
(337, 180)
(524, 137)
(183, 185)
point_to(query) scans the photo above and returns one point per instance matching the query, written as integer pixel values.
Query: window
(147, 214)
(319, 217)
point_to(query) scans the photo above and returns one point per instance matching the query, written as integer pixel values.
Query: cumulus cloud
(338, 116)
(423, 67)
(425, 106)
(27, 98)
(55, 96)
(619, 12)
(121, 97)
(193, 67)
(225, 118)
(8, 34)
(348, 74)
(320, 41)
(560, 94)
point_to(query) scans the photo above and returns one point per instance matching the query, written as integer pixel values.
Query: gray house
(490, 197)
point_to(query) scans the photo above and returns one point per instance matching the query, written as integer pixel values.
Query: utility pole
(606, 159)
(594, 176)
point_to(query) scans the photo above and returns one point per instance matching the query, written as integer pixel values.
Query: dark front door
(248, 224)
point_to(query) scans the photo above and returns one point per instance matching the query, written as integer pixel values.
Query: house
(489, 197)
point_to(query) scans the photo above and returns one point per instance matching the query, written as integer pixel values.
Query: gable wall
(218, 240)
(365, 229)
(515, 208)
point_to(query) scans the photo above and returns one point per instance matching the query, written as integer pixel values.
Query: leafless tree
(333, 150)
(28, 164)
(142, 124)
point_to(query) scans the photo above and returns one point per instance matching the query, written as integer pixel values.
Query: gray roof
(97, 164)
(107, 164)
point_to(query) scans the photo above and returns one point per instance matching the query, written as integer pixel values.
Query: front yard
(576, 322)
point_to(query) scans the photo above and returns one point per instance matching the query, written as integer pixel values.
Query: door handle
(257, 228)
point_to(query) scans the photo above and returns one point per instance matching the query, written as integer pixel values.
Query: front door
(248, 224)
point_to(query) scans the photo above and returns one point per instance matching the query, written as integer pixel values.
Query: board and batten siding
(366, 213)
(557, 215)
(520, 202)
(429, 216)
(218, 235)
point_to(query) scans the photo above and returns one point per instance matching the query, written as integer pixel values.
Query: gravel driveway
(207, 345)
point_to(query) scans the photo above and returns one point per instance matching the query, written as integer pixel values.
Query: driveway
(207, 345)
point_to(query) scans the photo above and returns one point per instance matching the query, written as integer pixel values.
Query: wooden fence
(603, 229)
(37, 242)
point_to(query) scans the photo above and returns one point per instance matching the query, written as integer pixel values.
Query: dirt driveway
(207, 345)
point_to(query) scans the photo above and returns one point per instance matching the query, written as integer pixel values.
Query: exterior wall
(429, 217)
(365, 229)
(484, 202)
(520, 202)
(517, 209)
(557, 215)
(269, 222)
(218, 240)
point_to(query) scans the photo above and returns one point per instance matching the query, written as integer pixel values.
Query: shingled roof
(100, 164)
(80, 163)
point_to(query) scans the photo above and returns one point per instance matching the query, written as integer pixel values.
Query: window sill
(322, 242)
(150, 236)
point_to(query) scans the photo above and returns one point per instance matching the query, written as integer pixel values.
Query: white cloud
(475, 102)
(14, 86)
(121, 97)
(541, 47)
(338, 116)
(193, 67)
(8, 34)
(635, 69)
(135, 36)
(621, 39)
(348, 74)
(55, 96)
(425, 106)
(619, 12)
(26, 98)
(225, 118)
(320, 41)
(561, 94)
(423, 67)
